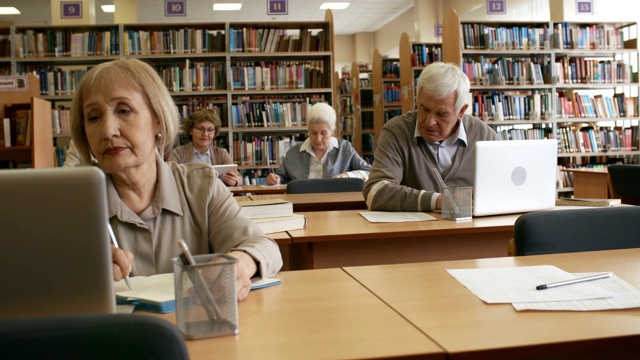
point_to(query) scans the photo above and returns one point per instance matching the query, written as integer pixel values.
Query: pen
(115, 243)
(199, 284)
(573, 281)
(446, 193)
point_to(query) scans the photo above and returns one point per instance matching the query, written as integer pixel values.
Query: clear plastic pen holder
(206, 296)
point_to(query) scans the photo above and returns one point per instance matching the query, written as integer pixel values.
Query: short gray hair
(440, 79)
(322, 113)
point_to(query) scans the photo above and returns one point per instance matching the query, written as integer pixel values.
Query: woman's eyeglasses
(204, 131)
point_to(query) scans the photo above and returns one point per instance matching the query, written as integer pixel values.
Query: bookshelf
(363, 115)
(260, 77)
(575, 82)
(346, 127)
(39, 153)
(372, 132)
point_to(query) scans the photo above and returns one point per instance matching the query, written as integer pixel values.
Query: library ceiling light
(335, 5)
(227, 6)
(108, 8)
(9, 11)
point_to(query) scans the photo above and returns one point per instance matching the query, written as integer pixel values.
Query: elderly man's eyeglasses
(202, 130)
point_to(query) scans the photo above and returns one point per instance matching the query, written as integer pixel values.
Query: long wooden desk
(320, 201)
(427, 296)
(345, 238)
(316, 314)
(258, 189)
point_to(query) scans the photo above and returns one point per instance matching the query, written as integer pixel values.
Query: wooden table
(592, 183)
(316, 314)
(320, 201)
(258, 189)
(431, 299)
(345, 238)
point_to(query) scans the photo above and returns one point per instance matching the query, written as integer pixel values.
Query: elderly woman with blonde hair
(124, 118)
(321, 155)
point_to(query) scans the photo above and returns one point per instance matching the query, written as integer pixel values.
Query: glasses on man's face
(202, 130)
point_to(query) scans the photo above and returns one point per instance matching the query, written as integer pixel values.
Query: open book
(156, 293)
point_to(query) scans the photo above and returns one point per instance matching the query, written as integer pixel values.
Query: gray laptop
(55, 256)
(514, 176)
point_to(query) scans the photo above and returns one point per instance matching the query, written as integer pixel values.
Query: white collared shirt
(445, 150)
(202, 158)
(316, 166)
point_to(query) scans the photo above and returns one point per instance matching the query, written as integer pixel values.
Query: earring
(158, 136)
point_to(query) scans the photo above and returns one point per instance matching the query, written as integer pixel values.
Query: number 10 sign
(175, 7)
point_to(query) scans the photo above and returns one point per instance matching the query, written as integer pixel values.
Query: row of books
(269, 113)
(64, 42)
(366, 98)
(15, 128)
(579, 70)
(262, 150)
(390, 70)
(574, 105)
(516, 37)
(594, 139)
(391, 113)
(345, 86)
(392, 94)
(60, 120)
(188, 105)
(368, 143)
(511, 133)
(367, 120)
(424, 54)
(276, 40)
(5, 45)
(278, 75)
(346, 105)
(500, 71)
(193, 76)
(511, 105)
(173, 41)
(58, 81)
(346, 124)
(587, 36)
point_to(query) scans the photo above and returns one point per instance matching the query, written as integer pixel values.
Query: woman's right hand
(273, 179)
(122, 261)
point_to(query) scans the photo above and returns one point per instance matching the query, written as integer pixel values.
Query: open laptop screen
(55, 257)
(514, 176)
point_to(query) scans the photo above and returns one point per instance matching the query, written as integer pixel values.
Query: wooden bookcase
(39, 154)
(572, 87)
(212, 65)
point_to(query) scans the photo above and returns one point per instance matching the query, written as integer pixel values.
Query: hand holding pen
(121, 259)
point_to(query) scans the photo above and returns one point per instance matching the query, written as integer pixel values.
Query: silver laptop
(514, 176)
(55, 256)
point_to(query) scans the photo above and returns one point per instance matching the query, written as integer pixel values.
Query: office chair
(626, 182)
(302, 186)
(110, 336)
(575, 230)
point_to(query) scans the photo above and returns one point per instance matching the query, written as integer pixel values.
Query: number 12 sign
(496, 7)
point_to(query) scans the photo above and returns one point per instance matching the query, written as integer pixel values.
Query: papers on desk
(517, 285)
(395, 216)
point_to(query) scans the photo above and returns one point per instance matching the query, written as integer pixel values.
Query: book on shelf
(156, 293)
(587, 202)
(268, 208)
(5, 139)
(281, 223)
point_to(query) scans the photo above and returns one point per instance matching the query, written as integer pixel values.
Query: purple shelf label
(71, 10)
(496, 7)
(438, 30)
(175, 7)
(277, 7)
(584, 7)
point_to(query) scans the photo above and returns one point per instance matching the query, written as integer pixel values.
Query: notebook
(55, 256)
(514, 176)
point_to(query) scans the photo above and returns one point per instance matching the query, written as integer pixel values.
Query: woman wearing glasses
(203, 125)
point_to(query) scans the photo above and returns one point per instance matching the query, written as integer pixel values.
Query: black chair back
(303, 186)
(626, 182)
(111, 336)
(575, 230)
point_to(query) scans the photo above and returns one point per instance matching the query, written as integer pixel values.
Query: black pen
(573, 281)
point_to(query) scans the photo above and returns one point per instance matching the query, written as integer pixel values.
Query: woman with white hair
(321, 155)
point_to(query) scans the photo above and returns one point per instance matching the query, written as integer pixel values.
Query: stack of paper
(517, 286)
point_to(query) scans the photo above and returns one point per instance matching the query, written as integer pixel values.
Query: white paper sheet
(626, 297)
(518, 284)
(395, 216)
